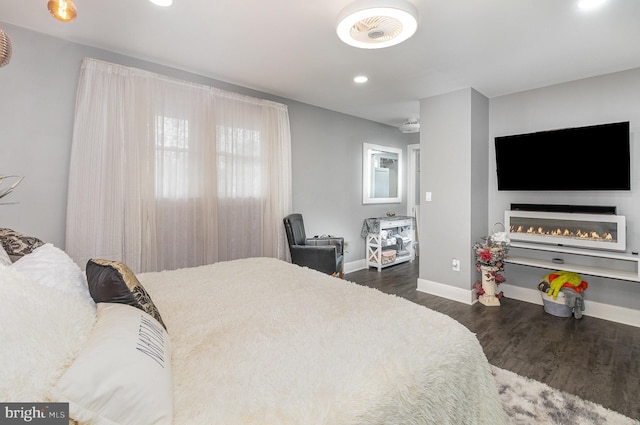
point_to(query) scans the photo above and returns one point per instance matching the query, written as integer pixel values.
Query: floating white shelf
(613, 265)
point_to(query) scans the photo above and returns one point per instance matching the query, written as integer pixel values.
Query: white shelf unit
(613, 265)
(377, 243)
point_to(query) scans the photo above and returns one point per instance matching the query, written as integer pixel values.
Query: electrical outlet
(455, 265)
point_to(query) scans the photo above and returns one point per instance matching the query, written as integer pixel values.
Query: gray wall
(458, 166)
(327, 172)
(453, 165)
(604, 99)
(37, 100)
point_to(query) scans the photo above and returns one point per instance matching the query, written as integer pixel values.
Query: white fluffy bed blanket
(261, 341)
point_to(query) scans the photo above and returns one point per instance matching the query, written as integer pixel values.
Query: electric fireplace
(584, 230)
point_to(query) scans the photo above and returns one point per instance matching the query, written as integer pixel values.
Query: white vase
(489, 286)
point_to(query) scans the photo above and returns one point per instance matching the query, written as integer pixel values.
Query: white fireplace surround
(553, 221)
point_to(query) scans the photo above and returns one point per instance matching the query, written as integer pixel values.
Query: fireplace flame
(567, 233)
(599, 231)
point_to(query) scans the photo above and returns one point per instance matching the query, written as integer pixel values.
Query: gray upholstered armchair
(324, 254)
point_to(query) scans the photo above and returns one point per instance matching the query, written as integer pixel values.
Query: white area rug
(531, 402)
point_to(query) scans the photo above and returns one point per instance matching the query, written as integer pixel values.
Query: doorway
(413, 188)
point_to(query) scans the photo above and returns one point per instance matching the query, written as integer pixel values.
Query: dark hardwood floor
(592, 358)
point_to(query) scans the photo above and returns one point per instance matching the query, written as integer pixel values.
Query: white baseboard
(613, 313)
(519, 293)
(354, 266)
(626, 316)
(466, 296)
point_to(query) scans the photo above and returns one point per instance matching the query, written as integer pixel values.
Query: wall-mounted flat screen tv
(581, 158)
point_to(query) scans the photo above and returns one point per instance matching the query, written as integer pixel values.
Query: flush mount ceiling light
(412, 125)
(62, 10)
(374, 24)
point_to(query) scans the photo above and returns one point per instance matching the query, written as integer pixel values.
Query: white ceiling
(289, 47)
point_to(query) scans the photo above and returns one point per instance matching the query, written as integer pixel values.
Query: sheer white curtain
(167, 174)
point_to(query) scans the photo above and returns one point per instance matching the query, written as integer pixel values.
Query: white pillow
(4, 257)
(51, 266)
(123, 375)
(41, 332)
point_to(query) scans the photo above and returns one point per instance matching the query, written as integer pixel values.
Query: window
(174, 161)
(188, 174)
(239, 163)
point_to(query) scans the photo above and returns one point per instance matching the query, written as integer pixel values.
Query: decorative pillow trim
(113, 282)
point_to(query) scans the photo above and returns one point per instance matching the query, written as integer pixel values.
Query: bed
(252, 341)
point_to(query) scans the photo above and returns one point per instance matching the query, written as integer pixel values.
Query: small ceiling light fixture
(590, 4)
(374, 24)
(62, 10)
(162, 3)
(412, 125)
(5, 50)
(361, 79)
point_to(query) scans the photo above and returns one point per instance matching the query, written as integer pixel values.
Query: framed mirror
(381, 174)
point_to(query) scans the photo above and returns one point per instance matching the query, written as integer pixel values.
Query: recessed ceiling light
(590, 4)
(361, 79)
(372, 24)
(163, 3)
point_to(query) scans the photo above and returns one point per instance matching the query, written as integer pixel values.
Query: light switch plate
(455, 265)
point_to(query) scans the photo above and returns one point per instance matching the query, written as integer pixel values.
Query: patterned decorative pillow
(15, 243)
(113, 282)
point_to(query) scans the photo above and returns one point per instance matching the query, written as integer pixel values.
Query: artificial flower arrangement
(490, 254)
